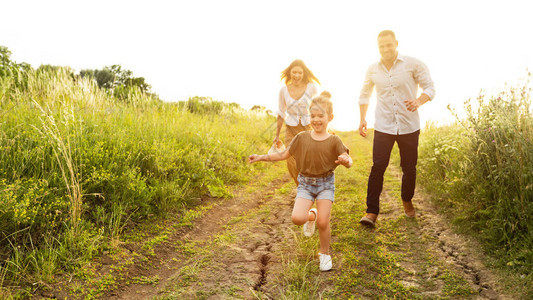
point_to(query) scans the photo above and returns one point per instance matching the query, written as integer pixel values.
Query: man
(397, 79)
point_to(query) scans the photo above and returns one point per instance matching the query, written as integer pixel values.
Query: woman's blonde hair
(323, 100)
(308, 75)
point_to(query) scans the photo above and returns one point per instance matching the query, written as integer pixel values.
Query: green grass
(392, 261)
(83, 167)
(480, 169)
(82, 171)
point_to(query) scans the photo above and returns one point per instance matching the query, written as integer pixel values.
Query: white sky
(234, 51)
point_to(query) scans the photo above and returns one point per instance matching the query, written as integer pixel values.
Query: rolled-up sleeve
(424, 80)
(366, 90)
(282, 106)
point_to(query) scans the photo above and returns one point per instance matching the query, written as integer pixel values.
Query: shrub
(76, 164)
(483, 167)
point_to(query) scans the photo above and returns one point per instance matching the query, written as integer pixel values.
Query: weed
(149, 245)
(232, 291)
(224, 238)
(83, 166)
(481, 171)
(188, 273)
(455, 285)
(146, 280)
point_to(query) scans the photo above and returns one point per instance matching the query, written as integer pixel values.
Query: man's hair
(387, 32)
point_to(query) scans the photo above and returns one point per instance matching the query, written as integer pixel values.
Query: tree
(114, 76)
(5, 55)
(5, 62)
(19, 72)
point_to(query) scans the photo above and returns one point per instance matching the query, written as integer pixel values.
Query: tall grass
(482, 167)
(79, 164)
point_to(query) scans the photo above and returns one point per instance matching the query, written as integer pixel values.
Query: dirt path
(247, 248)
(232, 250)
(453, 251)
(246, 252)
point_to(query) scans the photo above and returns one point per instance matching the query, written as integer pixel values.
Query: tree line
(112, 78)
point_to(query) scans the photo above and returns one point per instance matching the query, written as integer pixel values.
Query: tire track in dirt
(259, 227)
(458, 251)
(455, 251)
(272, 242)
(248, 263)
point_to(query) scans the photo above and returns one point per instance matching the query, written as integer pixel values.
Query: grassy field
(247, 248)
(398, 259)
(480, 169)
(86, 176)
(78, 166)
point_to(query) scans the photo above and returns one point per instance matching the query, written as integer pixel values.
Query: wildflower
(493, 141)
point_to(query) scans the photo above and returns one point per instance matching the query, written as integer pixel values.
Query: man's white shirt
(393, 87)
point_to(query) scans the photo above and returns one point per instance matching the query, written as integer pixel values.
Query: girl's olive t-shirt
(316, 158)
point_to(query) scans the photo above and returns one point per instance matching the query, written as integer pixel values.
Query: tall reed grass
(79, 164)
(482, 168)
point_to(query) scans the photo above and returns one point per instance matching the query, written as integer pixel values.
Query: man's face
(387, 47)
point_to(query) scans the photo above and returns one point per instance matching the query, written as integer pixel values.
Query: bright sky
(234, 51)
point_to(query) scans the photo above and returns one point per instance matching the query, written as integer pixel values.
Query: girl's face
(297, 74)
(319, 118)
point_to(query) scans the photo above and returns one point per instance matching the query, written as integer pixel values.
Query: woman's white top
(295, 111)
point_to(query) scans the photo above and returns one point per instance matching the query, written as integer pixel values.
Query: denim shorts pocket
(330, 184)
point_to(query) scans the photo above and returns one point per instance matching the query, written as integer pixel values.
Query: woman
(294, 100)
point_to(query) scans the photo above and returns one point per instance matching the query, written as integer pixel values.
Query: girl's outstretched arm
(345, 160)
(270, 157)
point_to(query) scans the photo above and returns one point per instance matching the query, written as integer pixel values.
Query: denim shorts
(316, 188)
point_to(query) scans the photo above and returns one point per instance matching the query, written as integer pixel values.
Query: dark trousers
(383, 143)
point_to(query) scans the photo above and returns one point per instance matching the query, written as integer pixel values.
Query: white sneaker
(309, 226)
(325, 262)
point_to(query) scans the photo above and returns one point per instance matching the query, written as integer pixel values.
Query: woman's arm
(270, 157)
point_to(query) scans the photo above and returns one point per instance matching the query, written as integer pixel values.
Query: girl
(294, 100)
(317, 153)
